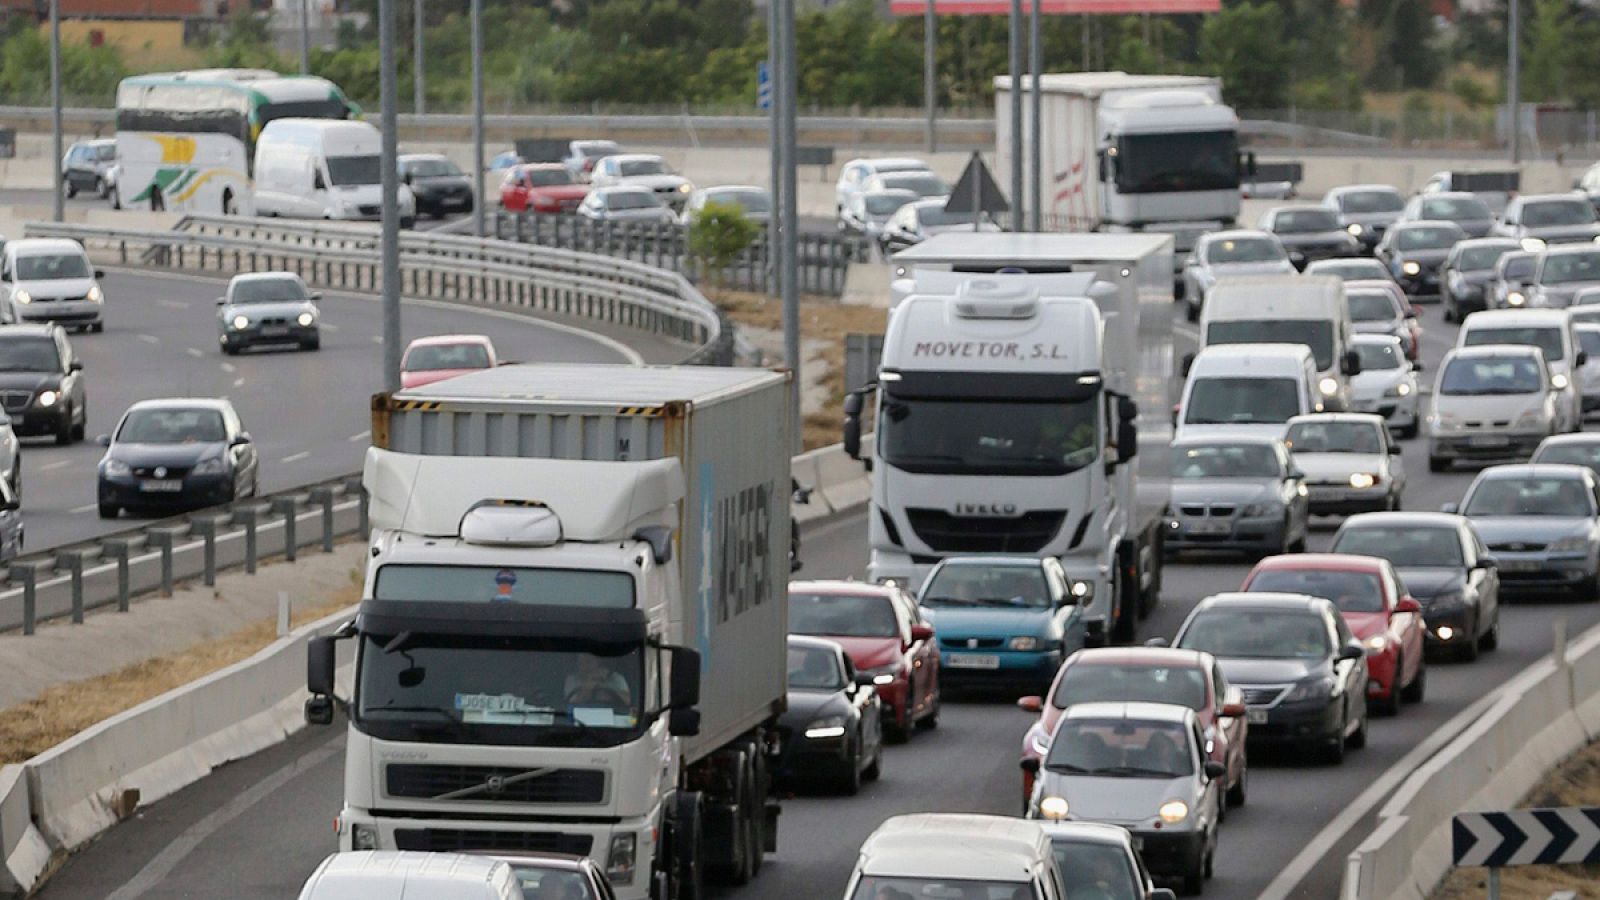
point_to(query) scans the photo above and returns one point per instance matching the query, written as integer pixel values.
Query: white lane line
(149, 339)
(328, 327)
(58, 464)
(80, 510)
(238, 382)
(296, 457)
(195, 352)
(173, 304)
(358, 438)
(377, 339)
(229, 367)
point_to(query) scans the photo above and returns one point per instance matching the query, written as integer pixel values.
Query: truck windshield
(1314, 333)
(1163, 163)
(996, 437)
(498, 690)
(504, 584)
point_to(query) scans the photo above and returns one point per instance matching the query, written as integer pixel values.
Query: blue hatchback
(1005, 621)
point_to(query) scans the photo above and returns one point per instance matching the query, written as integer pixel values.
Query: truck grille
(447, 840)
(945, 533)
(496, 784)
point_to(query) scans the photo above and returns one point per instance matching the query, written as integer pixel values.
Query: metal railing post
(30, 591)
(289, 508)
(250, 517)
(72, 559)
(206, 527)
(164, 537)
(323, 495)
(353, 487)
(120, 549)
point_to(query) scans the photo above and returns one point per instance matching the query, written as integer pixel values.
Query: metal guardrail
(446, 267)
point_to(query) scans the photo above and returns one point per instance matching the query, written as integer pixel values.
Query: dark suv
(42, 383)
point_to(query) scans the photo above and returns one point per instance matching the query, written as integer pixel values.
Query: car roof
(181, 403)
(1296, 207)
(1354, 188)
(264, 276)
(1264, 600)
(1254, 351)
(637, 157)
(1570, 250)
(971, 846)
(1404, 520)
(1476, 351)
(1086, 832)
(1264, 440)
(1340, 562)
(1234, 234)
(891, 163)
(813, 642)
(1029, 562)
(1429, 224)
(1362, 262)
(1370, 338)
(1373, 419)
(1585, 326)
(1376, 285)
(22, 329)
(1533, 470)
(1489, 242)
(410, 156)
(842, 587)
(416, 870)
(731, 188)
(609, 189)
(538, 166)
(1554, 440)
(561, 862)
(434, 340)
(1547, 198)
(890, 192)
(1515, 317)
(41, 246)
(1129, 709)
(1151, 656)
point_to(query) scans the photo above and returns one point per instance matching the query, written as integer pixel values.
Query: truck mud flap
(773, 811)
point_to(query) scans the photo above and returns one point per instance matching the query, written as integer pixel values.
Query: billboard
(1053, 7)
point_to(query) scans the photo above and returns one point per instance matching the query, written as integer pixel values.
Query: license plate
(974, 661)
(164, 485)
(1255, 716)
(1520, 565)
(274, 330)
(1489, 440)
(1210, 528)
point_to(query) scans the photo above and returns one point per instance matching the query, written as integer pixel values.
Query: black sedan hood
(435, 183)
(29, 381)
(806, 707)
(1269, 671)
(1426, 257)
(175, 455)
(1424, 583)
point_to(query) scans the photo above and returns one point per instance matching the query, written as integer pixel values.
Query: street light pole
(930, 87)
(774, 160)
(789, 276)
(1016, 115)
(418, 101)
(1513, 81)
(390, 244)
(477, 117)
(55, 106)
(1035, 125)
(305, 37)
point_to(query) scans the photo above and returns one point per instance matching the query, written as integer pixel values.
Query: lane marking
(58, 464)
(238, 382)
(80, 510)
(229, 367)
(173, 304)
(328, 327)
(296, 457)
(156, 872)
(377, 339)
(358, 438)
(195, 352)
(149, 339)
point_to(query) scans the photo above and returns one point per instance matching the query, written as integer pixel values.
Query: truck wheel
(1122, 630)
(687, 879)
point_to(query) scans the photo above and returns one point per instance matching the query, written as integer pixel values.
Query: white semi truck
(1124, 152)
(1013, 373)
(571, 634)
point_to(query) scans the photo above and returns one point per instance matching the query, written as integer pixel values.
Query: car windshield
(1096, 870)
(998, 437)
(1371, 306)
(541, 883)
(631, 200)
(1477, 259)
(885, 204)
(431, 168)
(749, 201)
(1257, 634)
(1301, 221)
(1334, 437)
(1120, 748)
(879, 887)
(643, 167)
(1557, 212)
(1243, 250)
(1520, 267)
(922, 184)
(1456, 209)
(48, 267)
(104, 152)
(267, 290)
(814, 669)
(1500, 375)
(1408, 546)
(1589, 342)
(970, 584)
(1350, 591)
(843, 615)
(1378, 356)
(1536, 496)
(1546, 338)
(1427, 237)
(172, 426)
(1224, 461)
(499, 690)
(1353, 270)
(351, 170)
(440, 357)
(1131, 683)
(934, 215)
(1314, 333)
(1242, 401)
(1360, 202)
(1585, 454)
(29, 354)
(550, 177)
(1566, 268)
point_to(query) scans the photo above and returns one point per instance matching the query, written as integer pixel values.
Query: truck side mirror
(1108, 166)
(1127, 440)
(1351, 364)
(683, 722)
(1188, 363)
(317, 182)
(685, 679)
(1583, 357)
(321, 663)
(853, 404)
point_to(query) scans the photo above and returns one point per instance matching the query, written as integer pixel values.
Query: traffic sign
(1526, 837)
(763, 86)
(976, 192)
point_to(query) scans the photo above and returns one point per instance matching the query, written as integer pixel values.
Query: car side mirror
(1583, 357)
(802, 496)
(1030, 765)
(317, 181)
(1215, 769)
(865, 679)
(1351, 651)
(1452, 508)
(1394, 449)
(1158, 642)
(1409, 605)
(74, 366)
(921, 632)
(1351, 363)
(1162, 894)
(1233, 710)
(1094, 633)
(103, 440)
(241, 439)
(315, 296)
(99, 274)
(222, 301)
(1031, 704)
(1487, 562)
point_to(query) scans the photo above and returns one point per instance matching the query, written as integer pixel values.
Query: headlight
(1559, 381)
(619, 863)
(1312, 688)
(1354, 229)
(826, 727)
(1446, 632)
(1363, 480)
(685, 188)
(117, 468)
(48, 398)
(1411, 268)
(1329, 386)
(1530, 418)
(21, 296)
(94, 295)
(212, 466)
(1174, 811)
(240, 322)
(1575, 544)
(1257, 510)
(1377, 643)
(884, 678)
(306, 319)
(1083, 590)
(1403, 389)
(1516, 298)
(1023, 643)
(1053, 807)
(363, 837)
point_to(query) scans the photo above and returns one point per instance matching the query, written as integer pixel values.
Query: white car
(1387, 384)
(1551, 331)
(1100, 861)
(853, 176)
(1585, 308)
(754, 202)
(626, 203)
(644, 170)
(391, 874)
(926, 185)
(1490, 403)
(1230, 254)
(1351, 464)
(1381, 307)
(51, 280)
(1589, 372)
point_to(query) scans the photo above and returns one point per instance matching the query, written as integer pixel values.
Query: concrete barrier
(845, 482)
(23, 851)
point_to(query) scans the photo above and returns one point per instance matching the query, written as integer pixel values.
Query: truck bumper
(396, 832)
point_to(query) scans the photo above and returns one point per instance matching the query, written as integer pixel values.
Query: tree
(721, 231)
(1245, 45)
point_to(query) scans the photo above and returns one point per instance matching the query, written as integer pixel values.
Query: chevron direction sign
(1527, 837)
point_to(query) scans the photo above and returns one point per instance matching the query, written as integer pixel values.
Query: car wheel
(72, 190)
(408, 222)
(898, 732)
(1418, 688)
(1237, 793)
(311, 343)
(101, 189)
(875, 768)
(1468, 650)
(1437, 463)
(64, 430)
(1408, 432)
(1333, 751)
(1359, 739)
(230, 348)
(108, 510)
(115, 197)
(1194, 883)
(930, 721)
(1491, 638)
(1390, 705)
(850, 778)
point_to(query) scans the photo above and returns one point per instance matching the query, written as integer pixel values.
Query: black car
(176, 454)
(1302, 671)
(1414, 251)
(268, 308)
(438, 184)
(1310, 233)
(833, 728)
(42, 383)
(1466, 280)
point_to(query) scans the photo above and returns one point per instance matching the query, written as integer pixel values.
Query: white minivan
(1491, 403)
(1256, 389)
(1288, 309)
(1552, 331)
(323, 169)
(949, 855)
(401, 874)
(50, 280)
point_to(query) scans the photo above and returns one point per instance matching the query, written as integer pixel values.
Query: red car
(1149, 674)
(884, 635)
(541, 188)
(430, 359)
(1376, 606)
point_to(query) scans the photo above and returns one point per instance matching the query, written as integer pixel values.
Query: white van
(401, 874)
(956, 855)
(1288, 309)
(323, 169)
(1552, 331)
(1236, 389)
(50, 280)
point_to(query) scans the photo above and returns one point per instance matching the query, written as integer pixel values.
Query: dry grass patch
(820, 320)
(35, 726)
(1576, 782)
